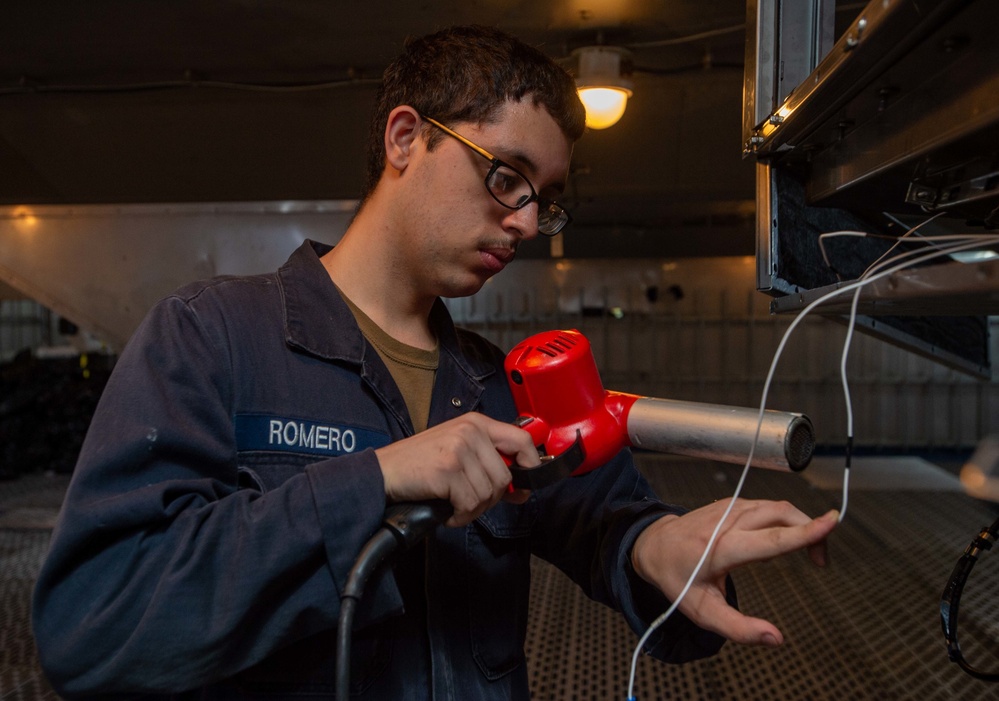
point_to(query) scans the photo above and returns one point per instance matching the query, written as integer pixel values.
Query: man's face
(458, 235)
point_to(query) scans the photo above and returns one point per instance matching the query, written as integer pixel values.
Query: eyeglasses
(512, 189)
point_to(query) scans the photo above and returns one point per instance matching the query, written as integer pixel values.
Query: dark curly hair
(464, 74)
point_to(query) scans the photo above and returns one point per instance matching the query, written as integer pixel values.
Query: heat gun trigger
(552, 469)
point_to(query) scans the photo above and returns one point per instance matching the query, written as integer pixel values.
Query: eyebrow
(522, 161)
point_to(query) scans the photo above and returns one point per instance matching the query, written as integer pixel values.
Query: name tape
(274, 433)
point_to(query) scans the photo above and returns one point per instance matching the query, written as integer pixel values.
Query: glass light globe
(604, 106)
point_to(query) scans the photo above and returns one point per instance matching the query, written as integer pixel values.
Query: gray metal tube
(723, 433)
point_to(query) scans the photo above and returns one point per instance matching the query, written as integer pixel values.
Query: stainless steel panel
(785, 41)
(882, 34)
(928, 120)
(936, 290)
(103, 266)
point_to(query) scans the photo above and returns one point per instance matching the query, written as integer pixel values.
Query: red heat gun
(578, 425)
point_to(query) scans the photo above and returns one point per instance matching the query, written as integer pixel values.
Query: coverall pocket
(499, 586)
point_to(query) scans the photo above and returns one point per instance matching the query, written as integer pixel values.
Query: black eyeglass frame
(544, 204)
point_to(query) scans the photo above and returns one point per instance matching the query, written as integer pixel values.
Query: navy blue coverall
(228, 482)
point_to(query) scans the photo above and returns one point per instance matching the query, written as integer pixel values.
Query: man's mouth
(497, 258)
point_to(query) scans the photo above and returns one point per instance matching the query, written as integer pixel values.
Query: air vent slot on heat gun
(557, 346)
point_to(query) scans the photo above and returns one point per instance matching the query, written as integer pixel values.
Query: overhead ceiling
(129, 101)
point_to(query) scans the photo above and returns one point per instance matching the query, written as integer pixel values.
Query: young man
(256, 428)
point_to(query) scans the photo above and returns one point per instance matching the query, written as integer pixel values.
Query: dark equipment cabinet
(892, 123)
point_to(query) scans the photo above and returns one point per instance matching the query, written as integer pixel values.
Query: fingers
(478, 479)
(763, 530)
(459, 461)
(514, 442)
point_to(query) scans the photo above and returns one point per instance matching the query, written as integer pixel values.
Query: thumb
(715, 614)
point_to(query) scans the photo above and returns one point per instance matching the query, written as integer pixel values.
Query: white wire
(849, 402)
(874, 266)
(869, 276)
(830, 234)
(714, 535)
(871, 269)
(898, 240)
(878, 264)
(851, 325)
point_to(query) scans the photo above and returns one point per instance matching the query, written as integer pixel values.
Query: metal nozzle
(723, 433)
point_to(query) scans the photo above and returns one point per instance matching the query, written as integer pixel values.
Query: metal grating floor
(27, 510)
(865, 627)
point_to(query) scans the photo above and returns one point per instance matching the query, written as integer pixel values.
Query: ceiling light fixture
(603, 79)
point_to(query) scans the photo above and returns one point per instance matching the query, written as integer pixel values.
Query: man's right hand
(458, 460)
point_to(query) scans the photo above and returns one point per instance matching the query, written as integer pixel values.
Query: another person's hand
(668, 550)
(458, 460)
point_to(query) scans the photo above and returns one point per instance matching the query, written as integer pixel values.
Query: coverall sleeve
(164, 574)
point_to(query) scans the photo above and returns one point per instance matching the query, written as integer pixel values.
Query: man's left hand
(668, 550)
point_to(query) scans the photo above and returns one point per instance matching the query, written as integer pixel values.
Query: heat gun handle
(553, 468)
(724, 433)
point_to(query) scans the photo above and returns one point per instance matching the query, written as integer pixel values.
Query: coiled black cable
(951, 599)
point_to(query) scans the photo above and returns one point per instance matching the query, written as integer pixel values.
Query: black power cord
(404, 526)
(951, 599)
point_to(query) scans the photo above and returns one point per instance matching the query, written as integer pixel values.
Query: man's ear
(402, 129)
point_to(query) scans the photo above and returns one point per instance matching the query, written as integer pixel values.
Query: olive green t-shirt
(413, 369)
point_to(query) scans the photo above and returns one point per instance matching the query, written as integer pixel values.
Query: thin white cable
(968, 242)
(856, 285)
(742, 479)
(847, 343)
(830, 234)
(849, 402)
(898, 240)
(977, 238)
(874, 266)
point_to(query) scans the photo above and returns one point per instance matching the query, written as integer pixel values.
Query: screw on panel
(855, 37)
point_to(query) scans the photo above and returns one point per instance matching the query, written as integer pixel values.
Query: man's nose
(524, 220)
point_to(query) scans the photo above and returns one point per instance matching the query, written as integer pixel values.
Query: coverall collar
(316, 316)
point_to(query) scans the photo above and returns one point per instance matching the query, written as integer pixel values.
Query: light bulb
(604, 106)
(603, 79)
